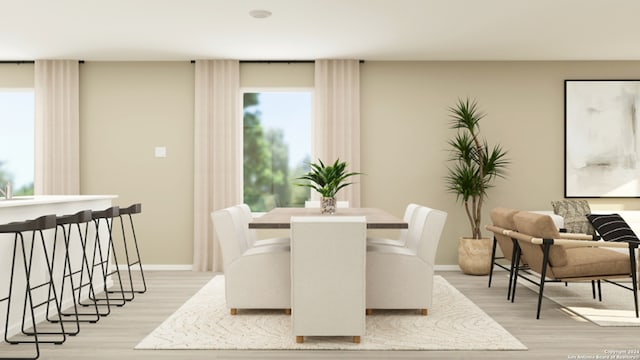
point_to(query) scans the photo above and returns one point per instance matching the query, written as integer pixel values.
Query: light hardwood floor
(557, 335)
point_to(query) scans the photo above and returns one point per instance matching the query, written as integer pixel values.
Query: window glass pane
(17, 139)
(277, 148)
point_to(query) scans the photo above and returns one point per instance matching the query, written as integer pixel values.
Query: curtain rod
(271, 61)
(276, 61)
(193, 61)
(282, 61)
(17, 61)
(26, 61)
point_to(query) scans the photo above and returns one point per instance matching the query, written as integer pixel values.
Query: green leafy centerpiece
(327, 180)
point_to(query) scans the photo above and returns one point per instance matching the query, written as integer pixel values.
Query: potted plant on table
(327, 180)
(474, 167)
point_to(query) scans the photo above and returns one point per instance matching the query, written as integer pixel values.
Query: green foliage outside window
(6, 176)
(267, 176)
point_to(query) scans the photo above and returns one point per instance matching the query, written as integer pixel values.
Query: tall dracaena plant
(327, 179)
(474, 164)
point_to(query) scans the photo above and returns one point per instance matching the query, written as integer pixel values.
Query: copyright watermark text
(622, 354)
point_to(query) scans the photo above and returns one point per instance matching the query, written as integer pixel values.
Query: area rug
(453, 323)
(615, 309)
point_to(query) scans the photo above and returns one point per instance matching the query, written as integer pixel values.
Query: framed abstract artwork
(602, 138)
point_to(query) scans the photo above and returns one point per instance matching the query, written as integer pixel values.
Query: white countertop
(50, 199)
(21, 208)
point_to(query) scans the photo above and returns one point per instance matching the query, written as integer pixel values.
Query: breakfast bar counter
(21, 208)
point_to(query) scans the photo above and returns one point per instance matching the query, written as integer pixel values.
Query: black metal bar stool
(129, 211)
(67, 225)
(103, 262)
(36, 227)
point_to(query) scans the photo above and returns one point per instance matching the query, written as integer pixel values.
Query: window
(17, 139)
(276, 147)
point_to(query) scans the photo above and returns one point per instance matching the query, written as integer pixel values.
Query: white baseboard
(189, 267)
(457, 268)
(159, 267)
(446, 268)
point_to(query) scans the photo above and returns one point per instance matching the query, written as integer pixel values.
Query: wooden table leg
(356, 339)
(299, 339)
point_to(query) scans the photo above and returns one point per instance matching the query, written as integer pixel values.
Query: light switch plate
(160, 152)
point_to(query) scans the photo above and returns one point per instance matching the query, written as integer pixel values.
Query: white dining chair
(402, 238)
(402, 277)
(328, 276)
(255, 278)
(245, 217)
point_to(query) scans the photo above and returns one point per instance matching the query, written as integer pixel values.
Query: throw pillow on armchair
(612, 227)
(575, 214)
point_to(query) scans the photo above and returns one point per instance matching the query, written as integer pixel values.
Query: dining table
(280, 218)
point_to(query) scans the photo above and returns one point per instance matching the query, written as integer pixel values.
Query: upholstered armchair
(502, 225)
(503, 218)
(402, 277)
(558, 259)
(402, 238)
(255, 278)
(243, 218)
(328, 276)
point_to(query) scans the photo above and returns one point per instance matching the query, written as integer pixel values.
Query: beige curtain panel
(57, 129)
(218, 154)
(336, 128)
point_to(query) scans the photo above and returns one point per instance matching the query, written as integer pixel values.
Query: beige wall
(16, 76)
(405, 132)
(285, 75)
(128, 108)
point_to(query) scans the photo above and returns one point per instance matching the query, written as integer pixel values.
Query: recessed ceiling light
(260, 14)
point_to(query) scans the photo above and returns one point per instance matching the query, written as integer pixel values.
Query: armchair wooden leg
(369, 311)
(423, 312)
(233, 311)
(299, 339)
(287, 311)
(356, 339)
